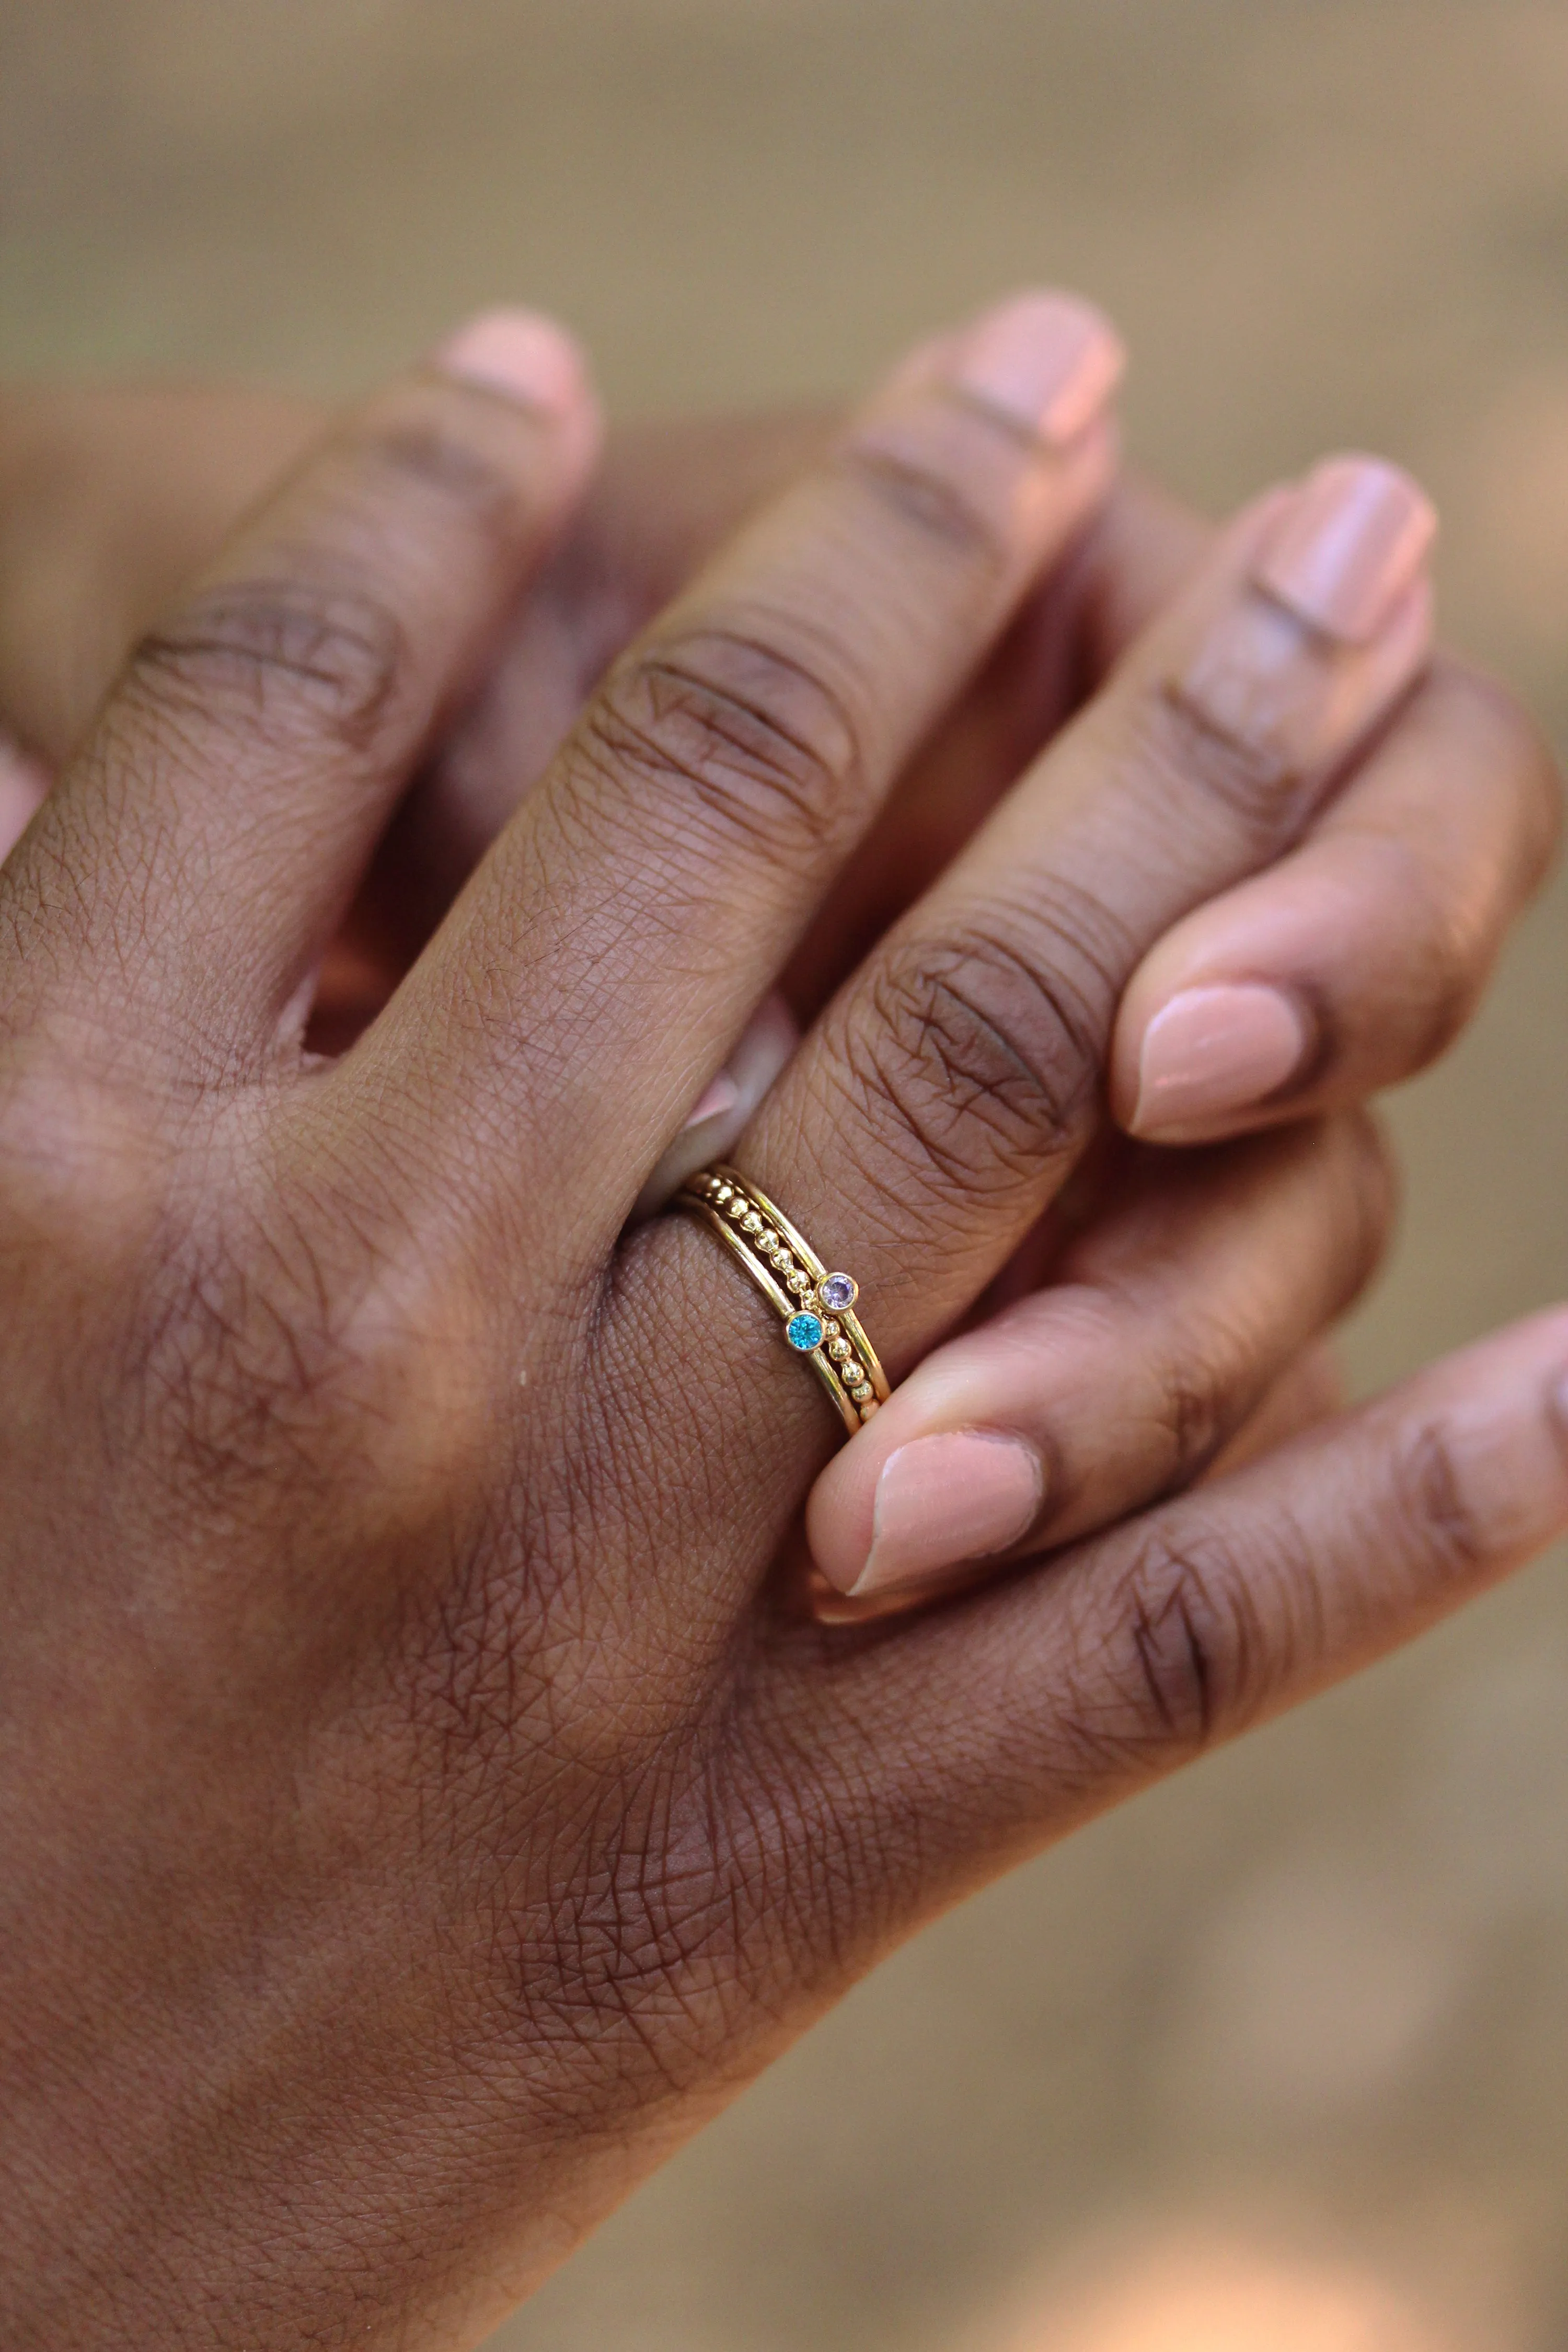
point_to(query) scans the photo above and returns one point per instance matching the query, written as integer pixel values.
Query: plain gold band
(757, 1232)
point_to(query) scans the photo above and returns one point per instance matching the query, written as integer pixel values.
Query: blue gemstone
(805, 1332)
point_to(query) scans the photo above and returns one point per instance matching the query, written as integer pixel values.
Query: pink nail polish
(1349, 546)
(720, 1096)
(519, 353)
(1213, 1053)
(23, 786)
(1046, 359)
(959, 1496)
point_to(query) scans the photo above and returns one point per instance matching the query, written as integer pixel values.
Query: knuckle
(238, 1359)
(1173, 743)
(221, 1330)
(83, 1178)
(1197, 1399)
(1189, 1655)
(752, 740)
(293, 655)
(976, 1058)
(1436, 1501)
(278, 1349)
(439, 464)
(938, 501)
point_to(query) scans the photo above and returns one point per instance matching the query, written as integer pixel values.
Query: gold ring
(818, 1307)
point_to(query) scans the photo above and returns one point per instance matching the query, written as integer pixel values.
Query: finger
(1352, 963)
(935, 1111)
(965, 1738)
(200, 852)
(111, 501)
(1163, 1328)
(649, 894)
(1133, 557)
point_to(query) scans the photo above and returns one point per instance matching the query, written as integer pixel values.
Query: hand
(1361, 951)
(420, 1810)
(1380, 937)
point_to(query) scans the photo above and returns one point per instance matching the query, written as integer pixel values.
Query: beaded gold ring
(816, 1307)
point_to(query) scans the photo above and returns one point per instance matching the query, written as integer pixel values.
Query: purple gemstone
(837, 1292)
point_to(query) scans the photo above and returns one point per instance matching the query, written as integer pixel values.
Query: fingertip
(1049, 363)
(1358, 534)
(522, 354)
(946, 1501)
(1213, 1056)
(902, 1511)
(1052, 360)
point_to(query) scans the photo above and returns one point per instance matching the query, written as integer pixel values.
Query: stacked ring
(818, 1307)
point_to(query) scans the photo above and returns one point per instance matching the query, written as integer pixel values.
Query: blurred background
(1276, 2060)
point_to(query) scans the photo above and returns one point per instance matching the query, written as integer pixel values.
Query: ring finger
(951, 1087)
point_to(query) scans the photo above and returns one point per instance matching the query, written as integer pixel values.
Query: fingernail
(1347, 548)
(1045, 359)
(962, 1495)
(721, 1097)
(1212, 1053)
(519, 353)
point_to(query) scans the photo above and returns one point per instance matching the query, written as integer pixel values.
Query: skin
(424, 1804)
(1384, 918)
